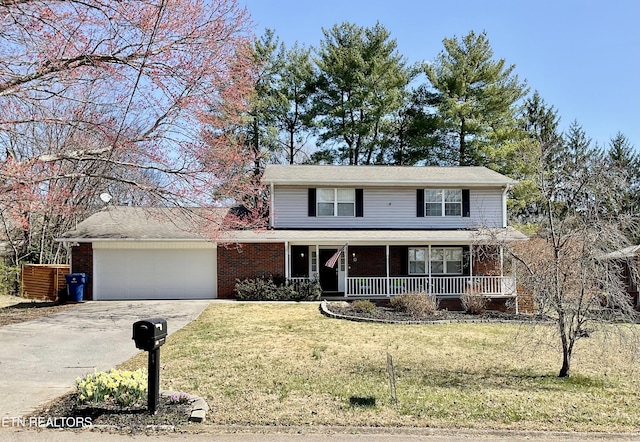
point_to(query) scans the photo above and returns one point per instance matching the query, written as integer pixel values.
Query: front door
(328, 275)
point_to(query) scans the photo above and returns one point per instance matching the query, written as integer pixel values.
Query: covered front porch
(452, 286)
(380, 271)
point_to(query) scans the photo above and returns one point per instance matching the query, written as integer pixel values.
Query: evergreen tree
(362, 81)
(260, 131)
(411, 134)
(295, 87)
(477, 98)
(622, 160)
(533, 156)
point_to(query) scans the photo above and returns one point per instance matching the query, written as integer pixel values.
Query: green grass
(271, 364)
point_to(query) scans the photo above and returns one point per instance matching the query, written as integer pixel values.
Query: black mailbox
(150, 334)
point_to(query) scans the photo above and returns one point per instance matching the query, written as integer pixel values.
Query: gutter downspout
(271, 204)
(504, 205)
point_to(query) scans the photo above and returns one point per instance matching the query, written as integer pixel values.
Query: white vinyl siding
(385, 208)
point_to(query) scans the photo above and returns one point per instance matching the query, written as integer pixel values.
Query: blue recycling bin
(75, 285)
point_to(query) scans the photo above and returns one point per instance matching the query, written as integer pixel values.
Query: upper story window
(336, 202)
(443, 202)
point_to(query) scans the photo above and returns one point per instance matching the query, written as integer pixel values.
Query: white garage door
(154, 274)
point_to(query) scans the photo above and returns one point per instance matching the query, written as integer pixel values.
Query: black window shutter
(466, 211)
(359, 203)
(312, 202)
(420, 203)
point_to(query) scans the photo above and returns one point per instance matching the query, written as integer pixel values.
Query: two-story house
(362, 231)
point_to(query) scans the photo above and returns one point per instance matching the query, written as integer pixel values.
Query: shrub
(266, 289)
(9, 279)
(308, 290)
(417, 305)
(123, 387)
(474, 304)
(364, 306)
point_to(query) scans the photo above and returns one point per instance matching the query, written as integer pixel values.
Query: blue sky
(582, 56)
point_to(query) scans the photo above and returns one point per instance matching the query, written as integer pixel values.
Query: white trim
(443, 203)
(336, 202)
(505, 189)
(154, 245)
(272, 202)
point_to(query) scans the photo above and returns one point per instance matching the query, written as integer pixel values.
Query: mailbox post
(149, 335)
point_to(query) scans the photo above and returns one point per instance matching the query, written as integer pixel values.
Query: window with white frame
(417, 261)
(441, 260)
(443, 202)
(336, 202)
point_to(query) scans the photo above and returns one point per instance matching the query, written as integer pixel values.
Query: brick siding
(248, 261)
(369, 261)
(82, 262)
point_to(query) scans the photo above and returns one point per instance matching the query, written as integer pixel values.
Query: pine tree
(477, 98)
(362, 81)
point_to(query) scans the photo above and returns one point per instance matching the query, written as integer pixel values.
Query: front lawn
(285, 364)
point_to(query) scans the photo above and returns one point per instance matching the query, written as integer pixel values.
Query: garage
(154, 270)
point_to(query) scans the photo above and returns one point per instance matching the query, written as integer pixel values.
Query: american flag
(331, 262)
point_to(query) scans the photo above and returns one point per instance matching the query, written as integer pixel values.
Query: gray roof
(173, 224)
(384, 176)
(138, 223)
(379, 237)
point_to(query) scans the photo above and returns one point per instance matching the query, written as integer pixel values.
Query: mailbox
(150, 334)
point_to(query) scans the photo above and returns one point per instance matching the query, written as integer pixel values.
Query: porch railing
(436, 285)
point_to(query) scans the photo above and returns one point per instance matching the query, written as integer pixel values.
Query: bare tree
(564, 267)
(130, 98)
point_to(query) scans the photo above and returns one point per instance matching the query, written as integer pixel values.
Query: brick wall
(369, 261)
(82, 262)
(486, 261)
(248, 261)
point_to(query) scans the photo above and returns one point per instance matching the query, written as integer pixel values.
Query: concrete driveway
(40, 359)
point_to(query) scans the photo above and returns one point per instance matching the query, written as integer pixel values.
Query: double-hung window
(443, 202)
(446, 261)
(439, 260)
(336, 202)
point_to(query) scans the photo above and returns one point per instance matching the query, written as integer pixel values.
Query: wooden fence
(43, 281)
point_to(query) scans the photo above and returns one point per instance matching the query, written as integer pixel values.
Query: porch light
(301, 254)
(353, 256)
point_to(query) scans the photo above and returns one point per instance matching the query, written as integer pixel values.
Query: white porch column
(471, 268)
(346, 269)
(428, 264)
(286, 260)
(387, 265)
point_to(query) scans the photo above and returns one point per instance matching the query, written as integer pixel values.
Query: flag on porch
(331, 262)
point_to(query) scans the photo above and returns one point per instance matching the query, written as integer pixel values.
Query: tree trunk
(566, 365)
(462, 161)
